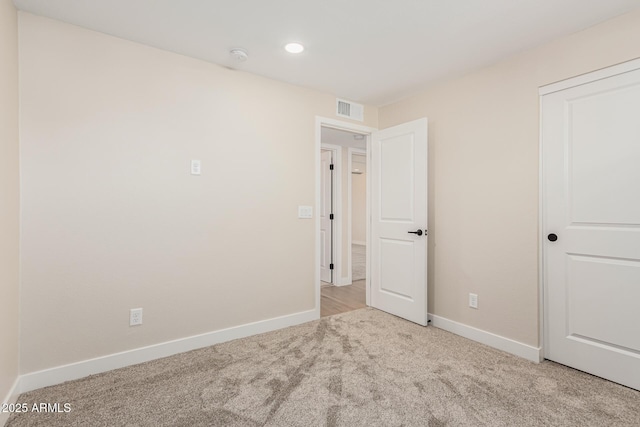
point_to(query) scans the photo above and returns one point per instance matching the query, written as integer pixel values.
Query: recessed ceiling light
(294, 48)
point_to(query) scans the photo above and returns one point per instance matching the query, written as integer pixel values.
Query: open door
(398, 283)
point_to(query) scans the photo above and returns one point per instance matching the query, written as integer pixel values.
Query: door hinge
(331, 217)
(330, 266)
(331, 167)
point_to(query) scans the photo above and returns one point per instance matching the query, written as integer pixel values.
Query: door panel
(591, 149)
(599, 190)
(604, 283)
(398, 206)
(396, 178)
(395, 278)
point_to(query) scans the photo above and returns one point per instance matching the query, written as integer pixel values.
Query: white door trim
(603, 73)
(350, 152)
(582, 79)
(541, 242)
(351, 127)
(336, 190)
(325, 220)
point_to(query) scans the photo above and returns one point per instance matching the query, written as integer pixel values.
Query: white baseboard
(12, 397)
(343, 282)
(517, 348)
(85, 368)
(358, 242)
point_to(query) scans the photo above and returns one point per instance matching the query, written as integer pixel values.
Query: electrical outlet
(473, 300)
(135, 317)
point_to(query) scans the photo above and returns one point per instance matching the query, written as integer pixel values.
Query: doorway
(396, 219)
(342, 218)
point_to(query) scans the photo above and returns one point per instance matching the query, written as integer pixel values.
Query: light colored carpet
(358, 262)
(362, 368)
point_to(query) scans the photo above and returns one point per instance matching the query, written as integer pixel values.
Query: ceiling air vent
(350, 110)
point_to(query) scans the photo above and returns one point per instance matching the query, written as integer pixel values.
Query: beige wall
(113, 220)
(359, 200)
(483, 176)
(9, 199)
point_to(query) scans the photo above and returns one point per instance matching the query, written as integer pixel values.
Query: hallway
(340, 299)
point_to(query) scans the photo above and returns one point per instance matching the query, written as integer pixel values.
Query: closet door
(591, 222)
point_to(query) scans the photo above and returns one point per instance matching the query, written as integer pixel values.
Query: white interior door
(591, 214)
(326, 235)
(398, 274)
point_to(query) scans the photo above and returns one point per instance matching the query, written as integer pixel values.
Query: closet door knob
(552, 237)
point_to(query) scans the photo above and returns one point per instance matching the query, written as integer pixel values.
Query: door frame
(336, 204)
(349, 127)
(581, 79)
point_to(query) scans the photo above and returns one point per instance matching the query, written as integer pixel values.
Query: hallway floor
(340, 299)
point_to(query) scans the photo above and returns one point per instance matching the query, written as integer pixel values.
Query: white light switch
(305, 211)
(195, 167)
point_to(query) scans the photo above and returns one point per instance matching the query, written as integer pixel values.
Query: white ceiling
(368, 51)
